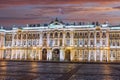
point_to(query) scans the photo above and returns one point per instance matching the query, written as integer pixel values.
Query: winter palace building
(61, 42)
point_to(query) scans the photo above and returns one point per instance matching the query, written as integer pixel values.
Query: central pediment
(56, 24)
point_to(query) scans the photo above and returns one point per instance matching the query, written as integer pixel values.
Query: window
(24, 36)
(86, 35)
(103, 35)
(30, 43)
(98, 34)
(24, 42)
(75, 35)
(56, 42)
(67, 35)
(113, 43)
(68, 42)
(91, 42)
(118, 43)
(80, 35)
(98, 41)
(113, 54)
(44, 35)
(86, 42)
(44, 43)
(34, 42)
(61, 35)
(80, 42)
(56, 35)
(103, 42)
(51, 35)
(60, 42)
(92, 35)
(51, 43)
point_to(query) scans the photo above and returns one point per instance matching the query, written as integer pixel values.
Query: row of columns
(91, 55)
(40, 40)
(79, 55)
(31, 54)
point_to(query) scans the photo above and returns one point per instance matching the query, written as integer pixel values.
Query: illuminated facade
(60, 42)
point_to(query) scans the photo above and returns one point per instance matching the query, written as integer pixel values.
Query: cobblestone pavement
(10, 70)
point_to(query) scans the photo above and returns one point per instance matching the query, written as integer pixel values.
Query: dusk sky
(21, 12)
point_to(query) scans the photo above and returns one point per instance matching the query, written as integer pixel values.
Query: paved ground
(58, 71)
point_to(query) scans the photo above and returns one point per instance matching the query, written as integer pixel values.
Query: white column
(3, 53)
(32, 39)
(17, 40)
(48, 39)
(58, 41)
(13, 41)
(0, 54)
(26, 39)
(94, 38)
(72, 55)
(95, 55)
(101, 55)
(101, 38)
(25, 52)
(21, 54)
(89, 55)
(89, 39)
(32, 55)
(62, 55)
(63, 39)
(71, 38)
(16, 54)
(82, 55)
(13, 34)
(40, 54)
(107, 39)
(21, 39)
(50, 55)
(12, 54)
(107, 55)
(40, 41)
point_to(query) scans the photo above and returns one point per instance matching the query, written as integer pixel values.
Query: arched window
(15, 37)
(24, 36)
(117, 35)
(19, 36)
(75, 35)
(33, 36)
(98, 33)
(38, 36)
(56, 35)
(44, 35)
(92, 35)
(86, 34)
(80, 34)
(103, 35)
(113, 35)
(113, 43)
(117, 43)
(51, 35)
(67, 35)
(61, 35)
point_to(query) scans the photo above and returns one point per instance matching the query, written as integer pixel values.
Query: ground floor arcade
(61, 54)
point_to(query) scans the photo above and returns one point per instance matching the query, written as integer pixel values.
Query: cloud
(39, 11)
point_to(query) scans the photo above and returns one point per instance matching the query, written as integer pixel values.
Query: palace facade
(61, 42)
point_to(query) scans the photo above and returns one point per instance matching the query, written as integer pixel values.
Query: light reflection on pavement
(10, 70)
